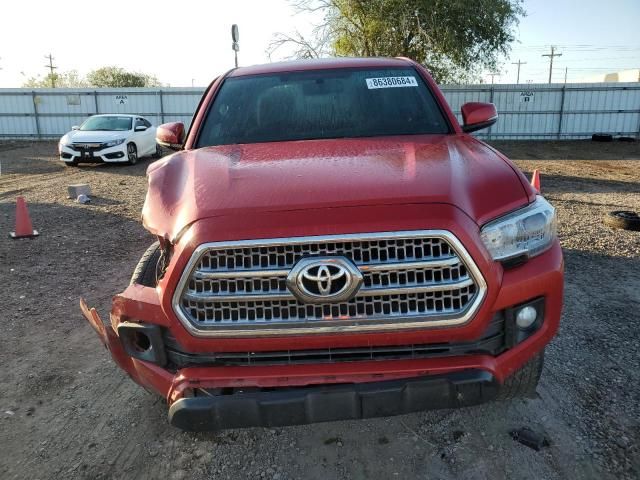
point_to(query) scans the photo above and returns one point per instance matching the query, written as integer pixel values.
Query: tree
(70, 79)
(116, 77)
(454, 39)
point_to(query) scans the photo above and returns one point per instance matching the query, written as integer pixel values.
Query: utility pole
(518, 63)
(551, 55)
(51, 69)
(494, 74)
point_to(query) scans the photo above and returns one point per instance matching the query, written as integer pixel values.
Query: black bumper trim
(296, 406)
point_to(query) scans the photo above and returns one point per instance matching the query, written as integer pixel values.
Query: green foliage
(454, 39)
(116, 77)
(105, 77)
(70, 79)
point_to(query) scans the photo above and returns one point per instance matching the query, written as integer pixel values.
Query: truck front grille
(410, 280)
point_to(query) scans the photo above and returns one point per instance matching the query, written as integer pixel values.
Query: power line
(551, 55)
(51, 69)
(518, 63)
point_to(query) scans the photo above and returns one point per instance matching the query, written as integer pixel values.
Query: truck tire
(601, 137)
(146, 271)
(623, 219)
(523, 383)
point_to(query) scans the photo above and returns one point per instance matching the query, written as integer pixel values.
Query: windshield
(116, 124)
(321, 104)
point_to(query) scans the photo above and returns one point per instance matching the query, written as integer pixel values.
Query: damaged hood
(251, 179)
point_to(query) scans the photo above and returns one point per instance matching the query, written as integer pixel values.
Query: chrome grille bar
(412, 279)
(364, 292)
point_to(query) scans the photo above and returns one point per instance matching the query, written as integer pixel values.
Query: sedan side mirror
(171, 135)
(75, 127)
(478, 115)
(140, 128)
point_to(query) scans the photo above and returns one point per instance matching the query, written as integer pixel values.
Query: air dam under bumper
(297, 406)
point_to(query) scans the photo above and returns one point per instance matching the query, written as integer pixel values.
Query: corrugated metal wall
(538, 111)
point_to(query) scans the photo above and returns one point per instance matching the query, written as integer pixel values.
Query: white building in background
(632, 75)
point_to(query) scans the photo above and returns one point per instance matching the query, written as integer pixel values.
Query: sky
(188, 42)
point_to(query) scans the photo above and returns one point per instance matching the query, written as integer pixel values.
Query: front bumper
(540, 277)
(111, 154)
(300, 406)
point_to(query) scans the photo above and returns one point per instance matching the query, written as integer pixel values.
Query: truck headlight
(113, 143)
(528, 231)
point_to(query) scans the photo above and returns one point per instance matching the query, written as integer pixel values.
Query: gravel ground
(66, 411)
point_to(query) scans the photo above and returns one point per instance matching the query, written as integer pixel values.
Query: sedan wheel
(158, 151)
(132, 153)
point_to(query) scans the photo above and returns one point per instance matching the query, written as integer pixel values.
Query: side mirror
(478, 115)
(140, 128)
(75, 127)
(171, 135)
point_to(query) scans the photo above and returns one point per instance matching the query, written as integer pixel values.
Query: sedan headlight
(528, 231)
(113, 143)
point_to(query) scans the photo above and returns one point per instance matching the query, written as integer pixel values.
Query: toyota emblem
(324, 280)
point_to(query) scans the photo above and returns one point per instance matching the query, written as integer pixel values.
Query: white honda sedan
(109, 138)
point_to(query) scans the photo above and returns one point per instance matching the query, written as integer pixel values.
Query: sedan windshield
(320, 104)
(116, 124)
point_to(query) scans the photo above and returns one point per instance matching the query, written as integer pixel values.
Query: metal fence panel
(539, 111)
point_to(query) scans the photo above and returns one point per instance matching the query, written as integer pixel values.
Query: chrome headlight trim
(527, 231)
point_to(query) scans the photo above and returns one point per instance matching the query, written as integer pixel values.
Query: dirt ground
(66, 411)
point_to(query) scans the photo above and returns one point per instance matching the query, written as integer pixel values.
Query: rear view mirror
(171, 135)
(75, 127)
(140, 128)
(478, 115)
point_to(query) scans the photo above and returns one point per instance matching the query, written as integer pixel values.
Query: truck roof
(320, 64)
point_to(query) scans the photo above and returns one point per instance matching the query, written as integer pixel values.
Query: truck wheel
(523, 383)
(146, 271)
(623, 219)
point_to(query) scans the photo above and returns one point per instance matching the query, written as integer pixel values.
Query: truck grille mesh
(407, 278)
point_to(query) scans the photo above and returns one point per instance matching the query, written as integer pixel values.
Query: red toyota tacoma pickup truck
(332, 244)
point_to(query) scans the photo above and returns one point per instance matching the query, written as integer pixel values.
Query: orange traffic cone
(535, 180)
(24, 229)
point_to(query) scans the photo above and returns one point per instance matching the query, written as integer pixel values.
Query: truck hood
(303, 175)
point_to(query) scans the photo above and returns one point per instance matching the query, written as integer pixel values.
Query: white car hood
(76, 136)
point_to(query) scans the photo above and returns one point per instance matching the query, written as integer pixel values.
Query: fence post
(35, 113)
(564, 89)
(638, 133)
(490, 101)
(161, 107)
(95, 101)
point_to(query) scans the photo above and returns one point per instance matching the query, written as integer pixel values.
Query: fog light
(525, 317)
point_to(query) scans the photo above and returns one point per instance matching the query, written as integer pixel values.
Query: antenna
(235, 37)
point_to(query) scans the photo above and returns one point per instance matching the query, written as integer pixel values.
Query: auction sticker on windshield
(391, 82)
